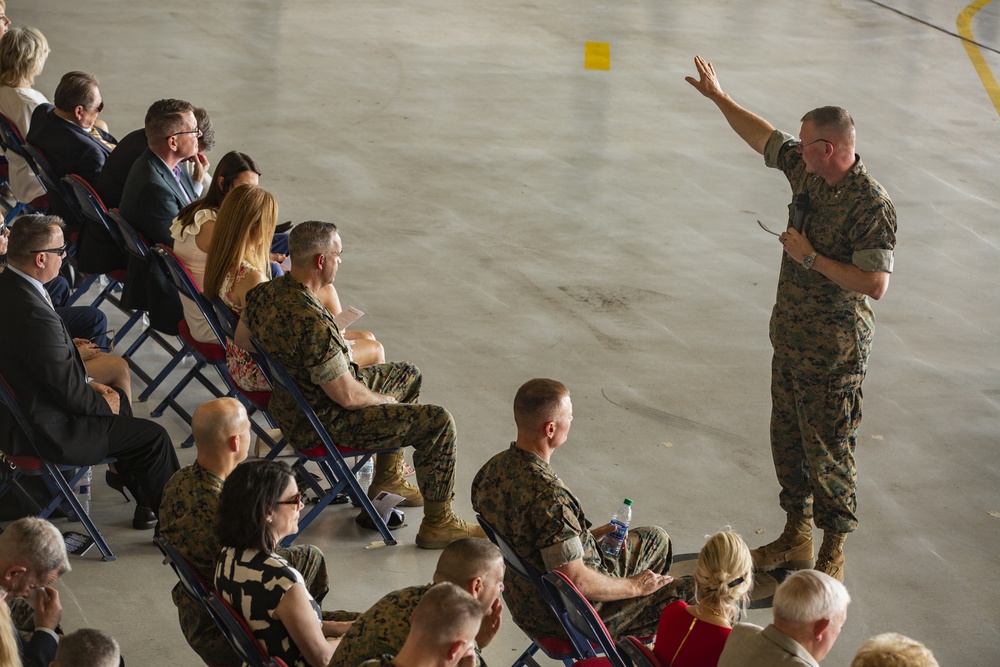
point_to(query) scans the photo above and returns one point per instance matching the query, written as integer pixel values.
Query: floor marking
(596, 55)
(964, 23)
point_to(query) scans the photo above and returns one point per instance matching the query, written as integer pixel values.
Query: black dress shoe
(143, 519)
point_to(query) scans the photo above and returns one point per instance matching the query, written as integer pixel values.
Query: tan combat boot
(793, 550)
(389, 477)
(831, 555)
(441, 527)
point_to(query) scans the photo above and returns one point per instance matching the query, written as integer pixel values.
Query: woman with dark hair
(259, 507)
(193, 227)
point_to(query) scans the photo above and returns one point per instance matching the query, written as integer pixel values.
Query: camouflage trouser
(646, 548)
(429, 429)
(203, 635)
(814, 430)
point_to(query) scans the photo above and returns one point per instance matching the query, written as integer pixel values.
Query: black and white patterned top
(254, 582)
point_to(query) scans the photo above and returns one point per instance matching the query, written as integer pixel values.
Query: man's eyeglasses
(109, 336)
(802, 146)
(296, 500)
(54, 251)
(100, 107)
(198, 132)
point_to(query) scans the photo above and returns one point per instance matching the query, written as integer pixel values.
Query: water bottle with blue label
(613, 541)
(366, 474)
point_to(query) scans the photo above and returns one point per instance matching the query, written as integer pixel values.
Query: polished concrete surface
(509, 214)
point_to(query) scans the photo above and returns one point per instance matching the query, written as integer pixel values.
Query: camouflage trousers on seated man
(205, 637)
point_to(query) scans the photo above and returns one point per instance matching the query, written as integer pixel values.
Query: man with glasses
(838, 252)
(77, 420)
(158, 187)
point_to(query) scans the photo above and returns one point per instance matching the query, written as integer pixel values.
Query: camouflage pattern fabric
(187, 520)
(822, 335)
(299, 332)
(381, 661)
(380, 630)
(524, 499)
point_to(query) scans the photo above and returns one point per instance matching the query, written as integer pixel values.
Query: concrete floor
(509, 214)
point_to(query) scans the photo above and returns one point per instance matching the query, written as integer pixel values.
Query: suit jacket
(151, 200)
(41, 364)
(72, 150)
(69, 148)
(750, 645)
(111, 182)
(39, 651)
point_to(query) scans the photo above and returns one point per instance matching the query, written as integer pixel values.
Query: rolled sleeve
(873, 259)
(561, 553)
(773, 152)
(329, 370)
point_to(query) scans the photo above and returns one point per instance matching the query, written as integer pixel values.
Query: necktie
(176, 171)
(97, 135)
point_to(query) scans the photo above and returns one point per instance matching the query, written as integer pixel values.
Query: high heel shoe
(115, 481)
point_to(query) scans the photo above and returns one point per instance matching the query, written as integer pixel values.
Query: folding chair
(637, 652)
(556, 648)
(328, 456)
(582, 616)
(51, 473)
(136, 246)
(205, 354)
(12, 141)
(54, 187)
(239, 634)
(191, 580)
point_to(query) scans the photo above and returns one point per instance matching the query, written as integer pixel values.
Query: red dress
(684, 641)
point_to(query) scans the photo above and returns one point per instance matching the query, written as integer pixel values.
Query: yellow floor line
(964, 23)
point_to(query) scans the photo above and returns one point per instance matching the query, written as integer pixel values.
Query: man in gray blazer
(810, 608)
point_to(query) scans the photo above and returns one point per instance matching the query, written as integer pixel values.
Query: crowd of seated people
(227, 516)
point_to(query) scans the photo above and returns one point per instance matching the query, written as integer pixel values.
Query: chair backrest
(182, 279)
(582, 617)
(90, 202)
(192, 581)
(227, 321)
(526, 570)
(8, 399)
(135, 245)
(240, 636)
(54, 188)
(11, 139)
(279, 377)
(637, 652)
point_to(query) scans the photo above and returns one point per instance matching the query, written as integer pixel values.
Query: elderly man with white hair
(810, 608)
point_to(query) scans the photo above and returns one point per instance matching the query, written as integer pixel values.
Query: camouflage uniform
(380, 632)
(299, 332)
(381, 661)
(821, 335)
(187, 521)
(524, 499)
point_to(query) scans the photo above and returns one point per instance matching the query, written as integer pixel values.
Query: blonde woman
(694, 636)
(23, 52)
(893, 650)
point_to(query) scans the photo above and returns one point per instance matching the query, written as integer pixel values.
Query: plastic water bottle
(366, 473)
(82, 489)
(620, 520)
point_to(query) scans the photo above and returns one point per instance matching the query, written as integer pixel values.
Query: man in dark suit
(158, 187)
(77, 421)
(68, 137)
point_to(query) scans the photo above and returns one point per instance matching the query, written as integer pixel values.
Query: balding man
(32, 557)
(472, 564)
(442, 631)
(221, 431)
(837, 254)
(520, 494)
(810, 608)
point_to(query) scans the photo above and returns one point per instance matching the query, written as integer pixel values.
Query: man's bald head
(216, 422)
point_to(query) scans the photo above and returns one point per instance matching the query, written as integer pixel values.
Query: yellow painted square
(597, 55)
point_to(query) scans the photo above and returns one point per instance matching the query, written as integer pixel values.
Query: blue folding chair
(137, 247)
(51, 473)
(240, 636)
(583, 617)
(637, 652)
(191, 580)
(12, 141)
(570, 650)
(328, 456)
(205, 354)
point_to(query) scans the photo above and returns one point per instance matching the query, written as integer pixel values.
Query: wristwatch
(808, 260)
